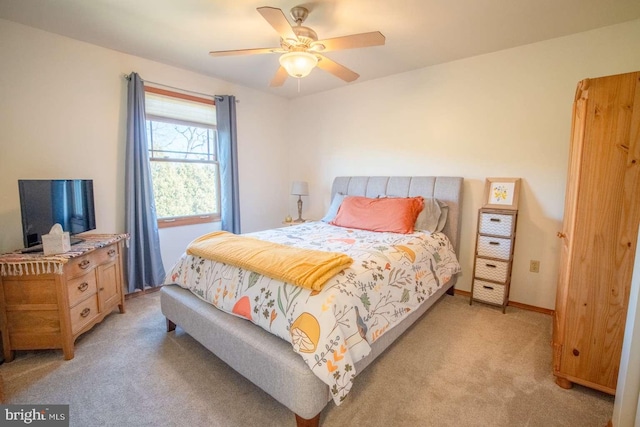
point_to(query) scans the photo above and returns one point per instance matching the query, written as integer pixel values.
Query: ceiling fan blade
(336, 69)
(275, 17)
(279, 78)
(246, 51)
(374, 38)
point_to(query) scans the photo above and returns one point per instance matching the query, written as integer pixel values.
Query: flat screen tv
(45, 202)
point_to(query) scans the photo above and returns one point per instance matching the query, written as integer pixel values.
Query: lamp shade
(300, 188)
(298, 64)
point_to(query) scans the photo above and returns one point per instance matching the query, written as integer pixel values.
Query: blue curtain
(144, 263)
(228, 161)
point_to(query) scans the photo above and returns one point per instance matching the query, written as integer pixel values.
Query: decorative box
(56, 242)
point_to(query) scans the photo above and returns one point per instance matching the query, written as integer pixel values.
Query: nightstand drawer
(494, 247)
(492, 270)
(496, 224)
(488, 292)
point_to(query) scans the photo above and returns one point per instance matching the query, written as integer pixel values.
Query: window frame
(178, 221)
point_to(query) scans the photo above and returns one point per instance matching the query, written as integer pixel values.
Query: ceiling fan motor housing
(306, 37)
(305, 34)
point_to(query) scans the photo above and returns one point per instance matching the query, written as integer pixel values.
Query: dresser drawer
(81, 265)
(83, 313)
(494, 247)
(496, 224)
(488, 292)
(492, 270)
(81, 287)
(104, 255)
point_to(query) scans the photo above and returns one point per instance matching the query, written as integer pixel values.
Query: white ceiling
(419, 33)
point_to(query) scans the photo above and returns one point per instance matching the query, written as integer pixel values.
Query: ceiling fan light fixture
(298, 64)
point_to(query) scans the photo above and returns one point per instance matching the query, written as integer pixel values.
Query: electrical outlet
(534, 266)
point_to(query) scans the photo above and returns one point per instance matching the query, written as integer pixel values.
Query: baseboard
(531, 308)
(143, 292)
(513, 304)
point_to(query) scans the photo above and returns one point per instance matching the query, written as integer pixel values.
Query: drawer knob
(83, 286)
(561, 235)
(494, 243)
(85, 264)
(487, 287)
(85, 312)
(111, 252)
(494, 219)
(491, 265)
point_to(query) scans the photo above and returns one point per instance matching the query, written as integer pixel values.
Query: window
(182, 137)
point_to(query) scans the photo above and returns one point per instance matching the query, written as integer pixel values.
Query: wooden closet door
(602, 232)
(578, 122)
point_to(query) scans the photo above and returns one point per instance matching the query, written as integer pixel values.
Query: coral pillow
(396, 215)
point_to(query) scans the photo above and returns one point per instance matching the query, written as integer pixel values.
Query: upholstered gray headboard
(445, 188)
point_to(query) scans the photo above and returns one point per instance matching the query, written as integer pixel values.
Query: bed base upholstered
(264, 359)
(268, 361)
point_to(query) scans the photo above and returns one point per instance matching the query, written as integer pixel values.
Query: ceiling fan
(301, 49)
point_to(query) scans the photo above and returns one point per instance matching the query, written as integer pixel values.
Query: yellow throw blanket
(307, 268)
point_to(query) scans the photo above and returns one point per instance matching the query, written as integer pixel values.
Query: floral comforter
(392, 274)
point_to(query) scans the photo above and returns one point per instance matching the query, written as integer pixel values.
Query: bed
(267, 359)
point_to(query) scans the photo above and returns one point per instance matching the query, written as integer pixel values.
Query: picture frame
(501, 193)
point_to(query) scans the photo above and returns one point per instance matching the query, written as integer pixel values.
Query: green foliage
(182, 189)
(182, 185)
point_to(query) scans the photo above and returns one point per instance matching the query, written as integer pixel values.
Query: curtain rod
(126, 76)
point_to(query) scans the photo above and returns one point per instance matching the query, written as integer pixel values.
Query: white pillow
(333, 209)
(433, 216)
(444, 214)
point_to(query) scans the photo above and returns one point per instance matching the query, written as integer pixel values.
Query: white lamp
(300, 188)
(298, 64)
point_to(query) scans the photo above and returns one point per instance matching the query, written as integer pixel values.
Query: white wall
(63, 108)
(505, 114)
(63, 115)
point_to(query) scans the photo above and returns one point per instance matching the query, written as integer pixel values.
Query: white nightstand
(494, 256)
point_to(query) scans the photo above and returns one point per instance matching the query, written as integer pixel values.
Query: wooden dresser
(46, 302)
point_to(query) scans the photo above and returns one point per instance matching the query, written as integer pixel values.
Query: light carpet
(460, 365)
